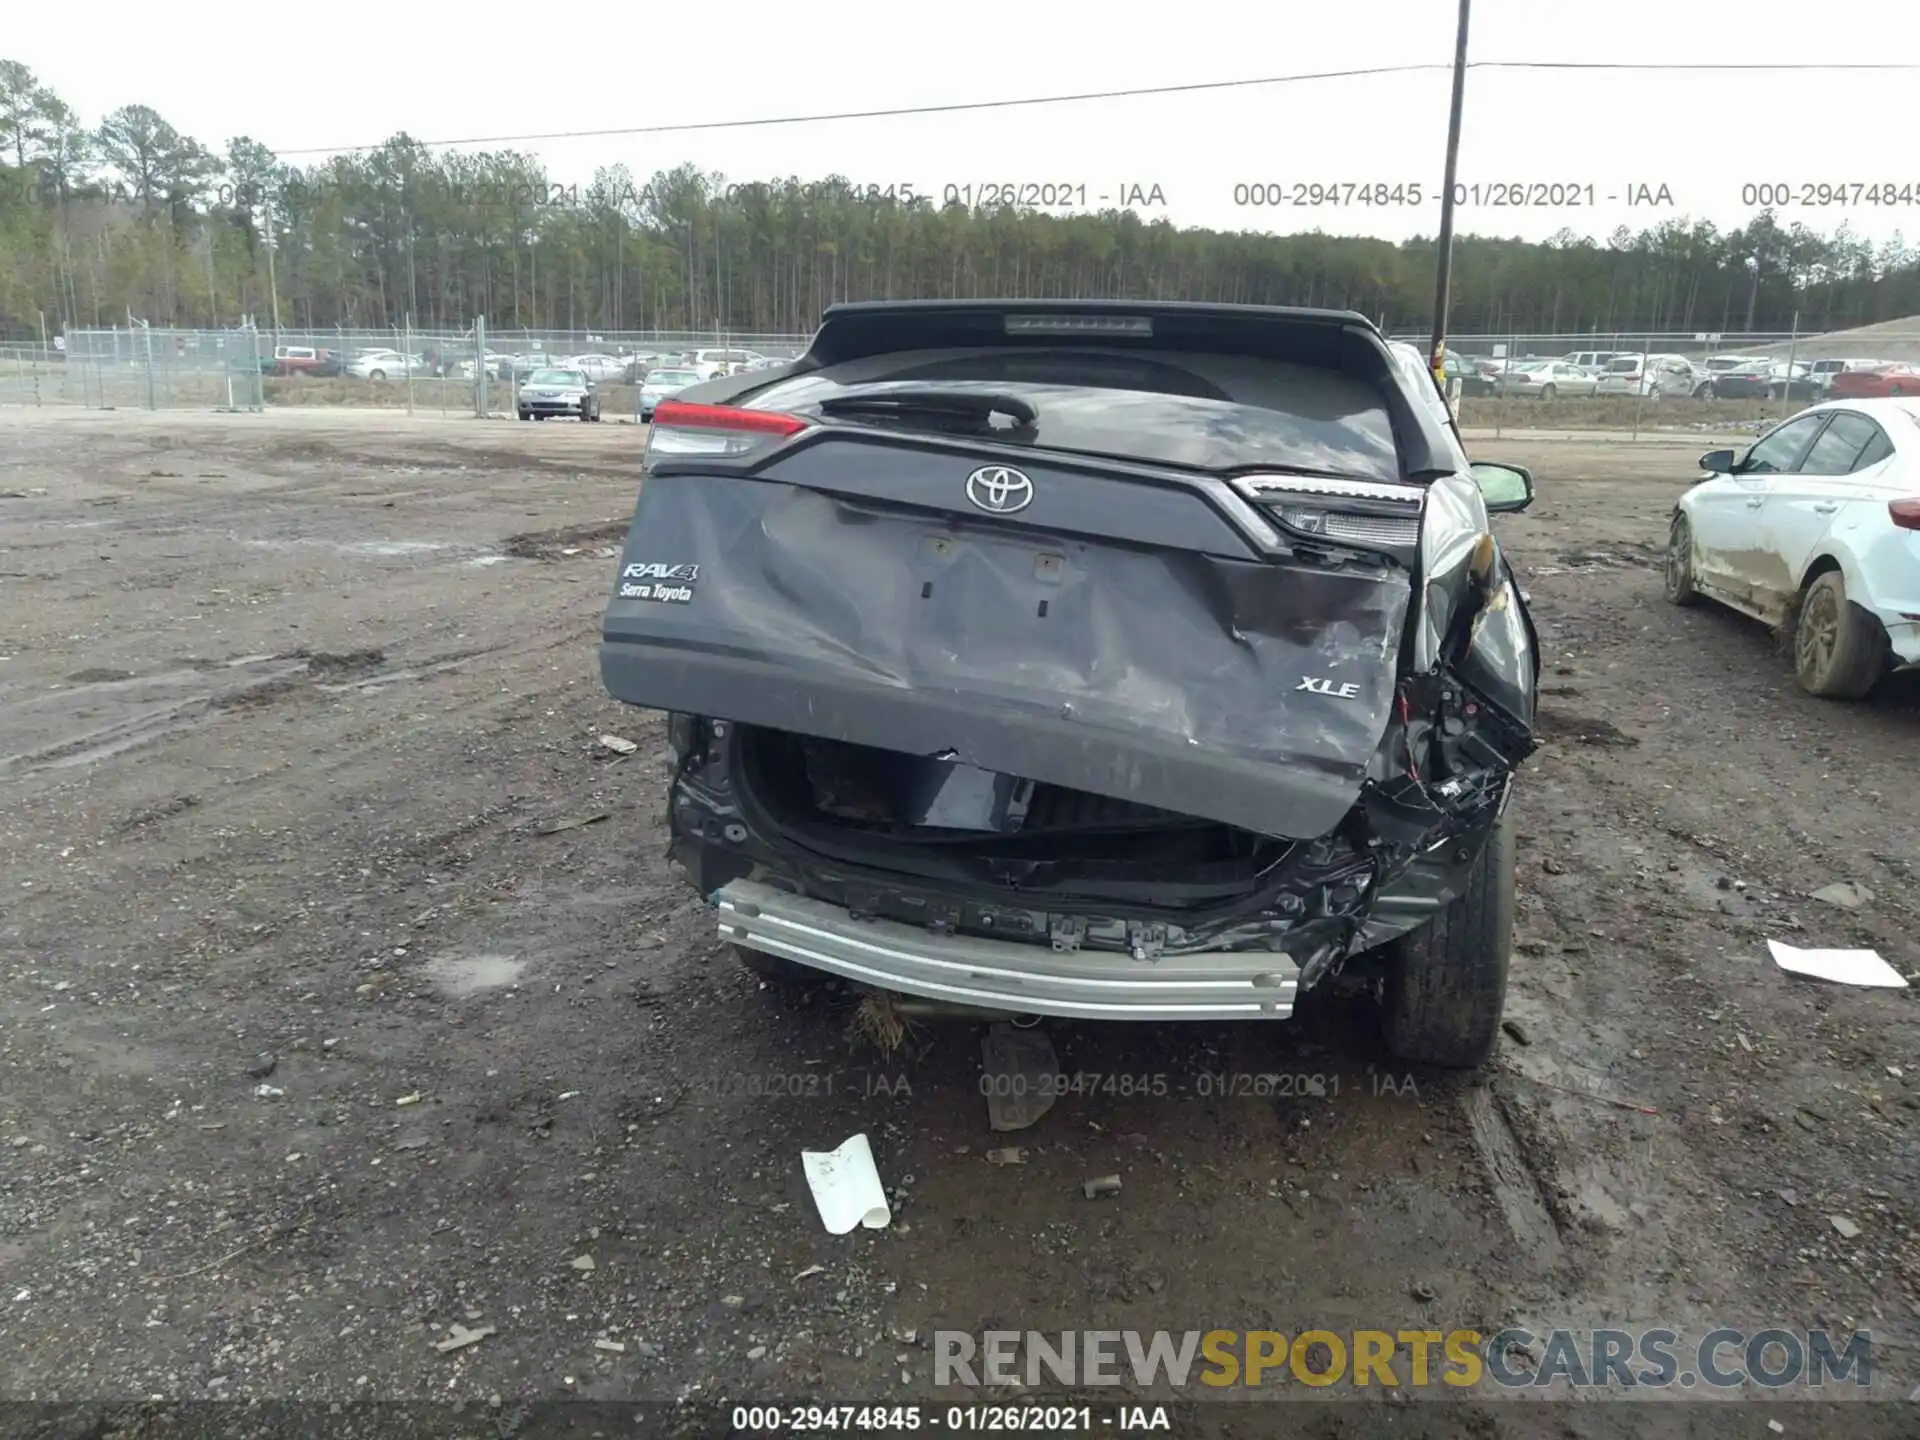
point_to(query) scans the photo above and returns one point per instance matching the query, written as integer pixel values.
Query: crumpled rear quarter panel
(1170, 677)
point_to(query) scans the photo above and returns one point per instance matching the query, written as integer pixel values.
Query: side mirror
(1506, 489)
(1720, 462)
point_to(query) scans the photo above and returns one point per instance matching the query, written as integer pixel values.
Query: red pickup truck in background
(302, 360)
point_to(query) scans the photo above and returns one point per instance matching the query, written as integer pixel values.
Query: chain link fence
(1672, 380)
(475, 371)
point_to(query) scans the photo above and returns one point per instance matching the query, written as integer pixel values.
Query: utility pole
(1443, 279)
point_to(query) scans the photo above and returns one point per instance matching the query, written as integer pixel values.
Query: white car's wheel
(376, 375)
(1679, 566)
(1839, 650)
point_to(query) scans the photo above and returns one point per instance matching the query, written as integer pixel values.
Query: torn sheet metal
(1249, 692)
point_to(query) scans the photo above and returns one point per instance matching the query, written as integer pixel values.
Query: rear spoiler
(1339, 340)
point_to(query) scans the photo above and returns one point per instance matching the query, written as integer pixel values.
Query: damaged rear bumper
(1005, 975)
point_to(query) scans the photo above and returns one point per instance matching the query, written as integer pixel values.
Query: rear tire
(1679, 563)
(1447, 981)
(1839, 650)
(1547, 392)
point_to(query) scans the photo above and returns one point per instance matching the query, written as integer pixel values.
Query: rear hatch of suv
(1159, 554)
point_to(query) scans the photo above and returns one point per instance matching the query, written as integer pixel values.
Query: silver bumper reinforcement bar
(1008, 975)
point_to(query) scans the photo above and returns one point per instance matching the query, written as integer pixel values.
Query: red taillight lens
(679, 414)
(1905, 513)
(681, 428)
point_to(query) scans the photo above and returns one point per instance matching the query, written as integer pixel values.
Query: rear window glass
(1622, 367)
(1204, 412)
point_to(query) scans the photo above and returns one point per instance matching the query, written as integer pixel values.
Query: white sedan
(1817, 526)
(596, 367)
(379, 364)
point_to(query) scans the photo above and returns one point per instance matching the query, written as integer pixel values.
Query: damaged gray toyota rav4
(1107, 660)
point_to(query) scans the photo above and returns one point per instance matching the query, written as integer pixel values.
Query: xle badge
(672, 584)
(1327, 687)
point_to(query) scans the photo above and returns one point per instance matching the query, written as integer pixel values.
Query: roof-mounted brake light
(1139, 325)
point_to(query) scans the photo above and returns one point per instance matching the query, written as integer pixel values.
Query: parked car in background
(1545, 380)
(384, 364)
(1753, 380)
(1655, 377)
(1876, 380)
(596, 367)
(1476, 374)
(444, 360)
(514, 369)
(1823, 371)
(637, 366)
(1594, 360)
(1794, 380)
(1720, 364)
(558, 392)
(301, 360)
(1817, 525)
(712, 363)
(492, 362)
(664, 384)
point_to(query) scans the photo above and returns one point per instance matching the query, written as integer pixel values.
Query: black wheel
(1547, 392)
(1705, 392)
(376, 375)
(777, 968)
(1679, 567)
(525, 416)
(1839, 650)
(1447, 981)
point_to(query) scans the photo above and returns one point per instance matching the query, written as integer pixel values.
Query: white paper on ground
(1843, 967)
(846, 1187)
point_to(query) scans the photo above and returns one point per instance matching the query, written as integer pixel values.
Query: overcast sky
(313, 79)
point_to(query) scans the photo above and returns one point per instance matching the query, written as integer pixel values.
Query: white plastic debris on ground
(1842, 967)
(846, 1187)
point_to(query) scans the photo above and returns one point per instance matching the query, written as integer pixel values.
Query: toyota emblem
(999, 489)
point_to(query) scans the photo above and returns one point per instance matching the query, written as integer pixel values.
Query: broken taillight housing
(1358, 512)
(681, 428)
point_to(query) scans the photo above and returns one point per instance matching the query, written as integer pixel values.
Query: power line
(903, 110)
(1145, 90)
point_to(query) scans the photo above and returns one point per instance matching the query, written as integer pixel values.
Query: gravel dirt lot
(347, 997)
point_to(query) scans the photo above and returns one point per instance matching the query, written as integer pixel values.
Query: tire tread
(1859, 654)
(1447, 984)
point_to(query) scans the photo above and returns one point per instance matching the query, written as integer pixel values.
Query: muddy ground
(302, 790)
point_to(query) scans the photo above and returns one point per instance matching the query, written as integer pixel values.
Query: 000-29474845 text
(1498, 194)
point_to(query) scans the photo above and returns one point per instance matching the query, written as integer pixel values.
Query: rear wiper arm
(945, 404)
